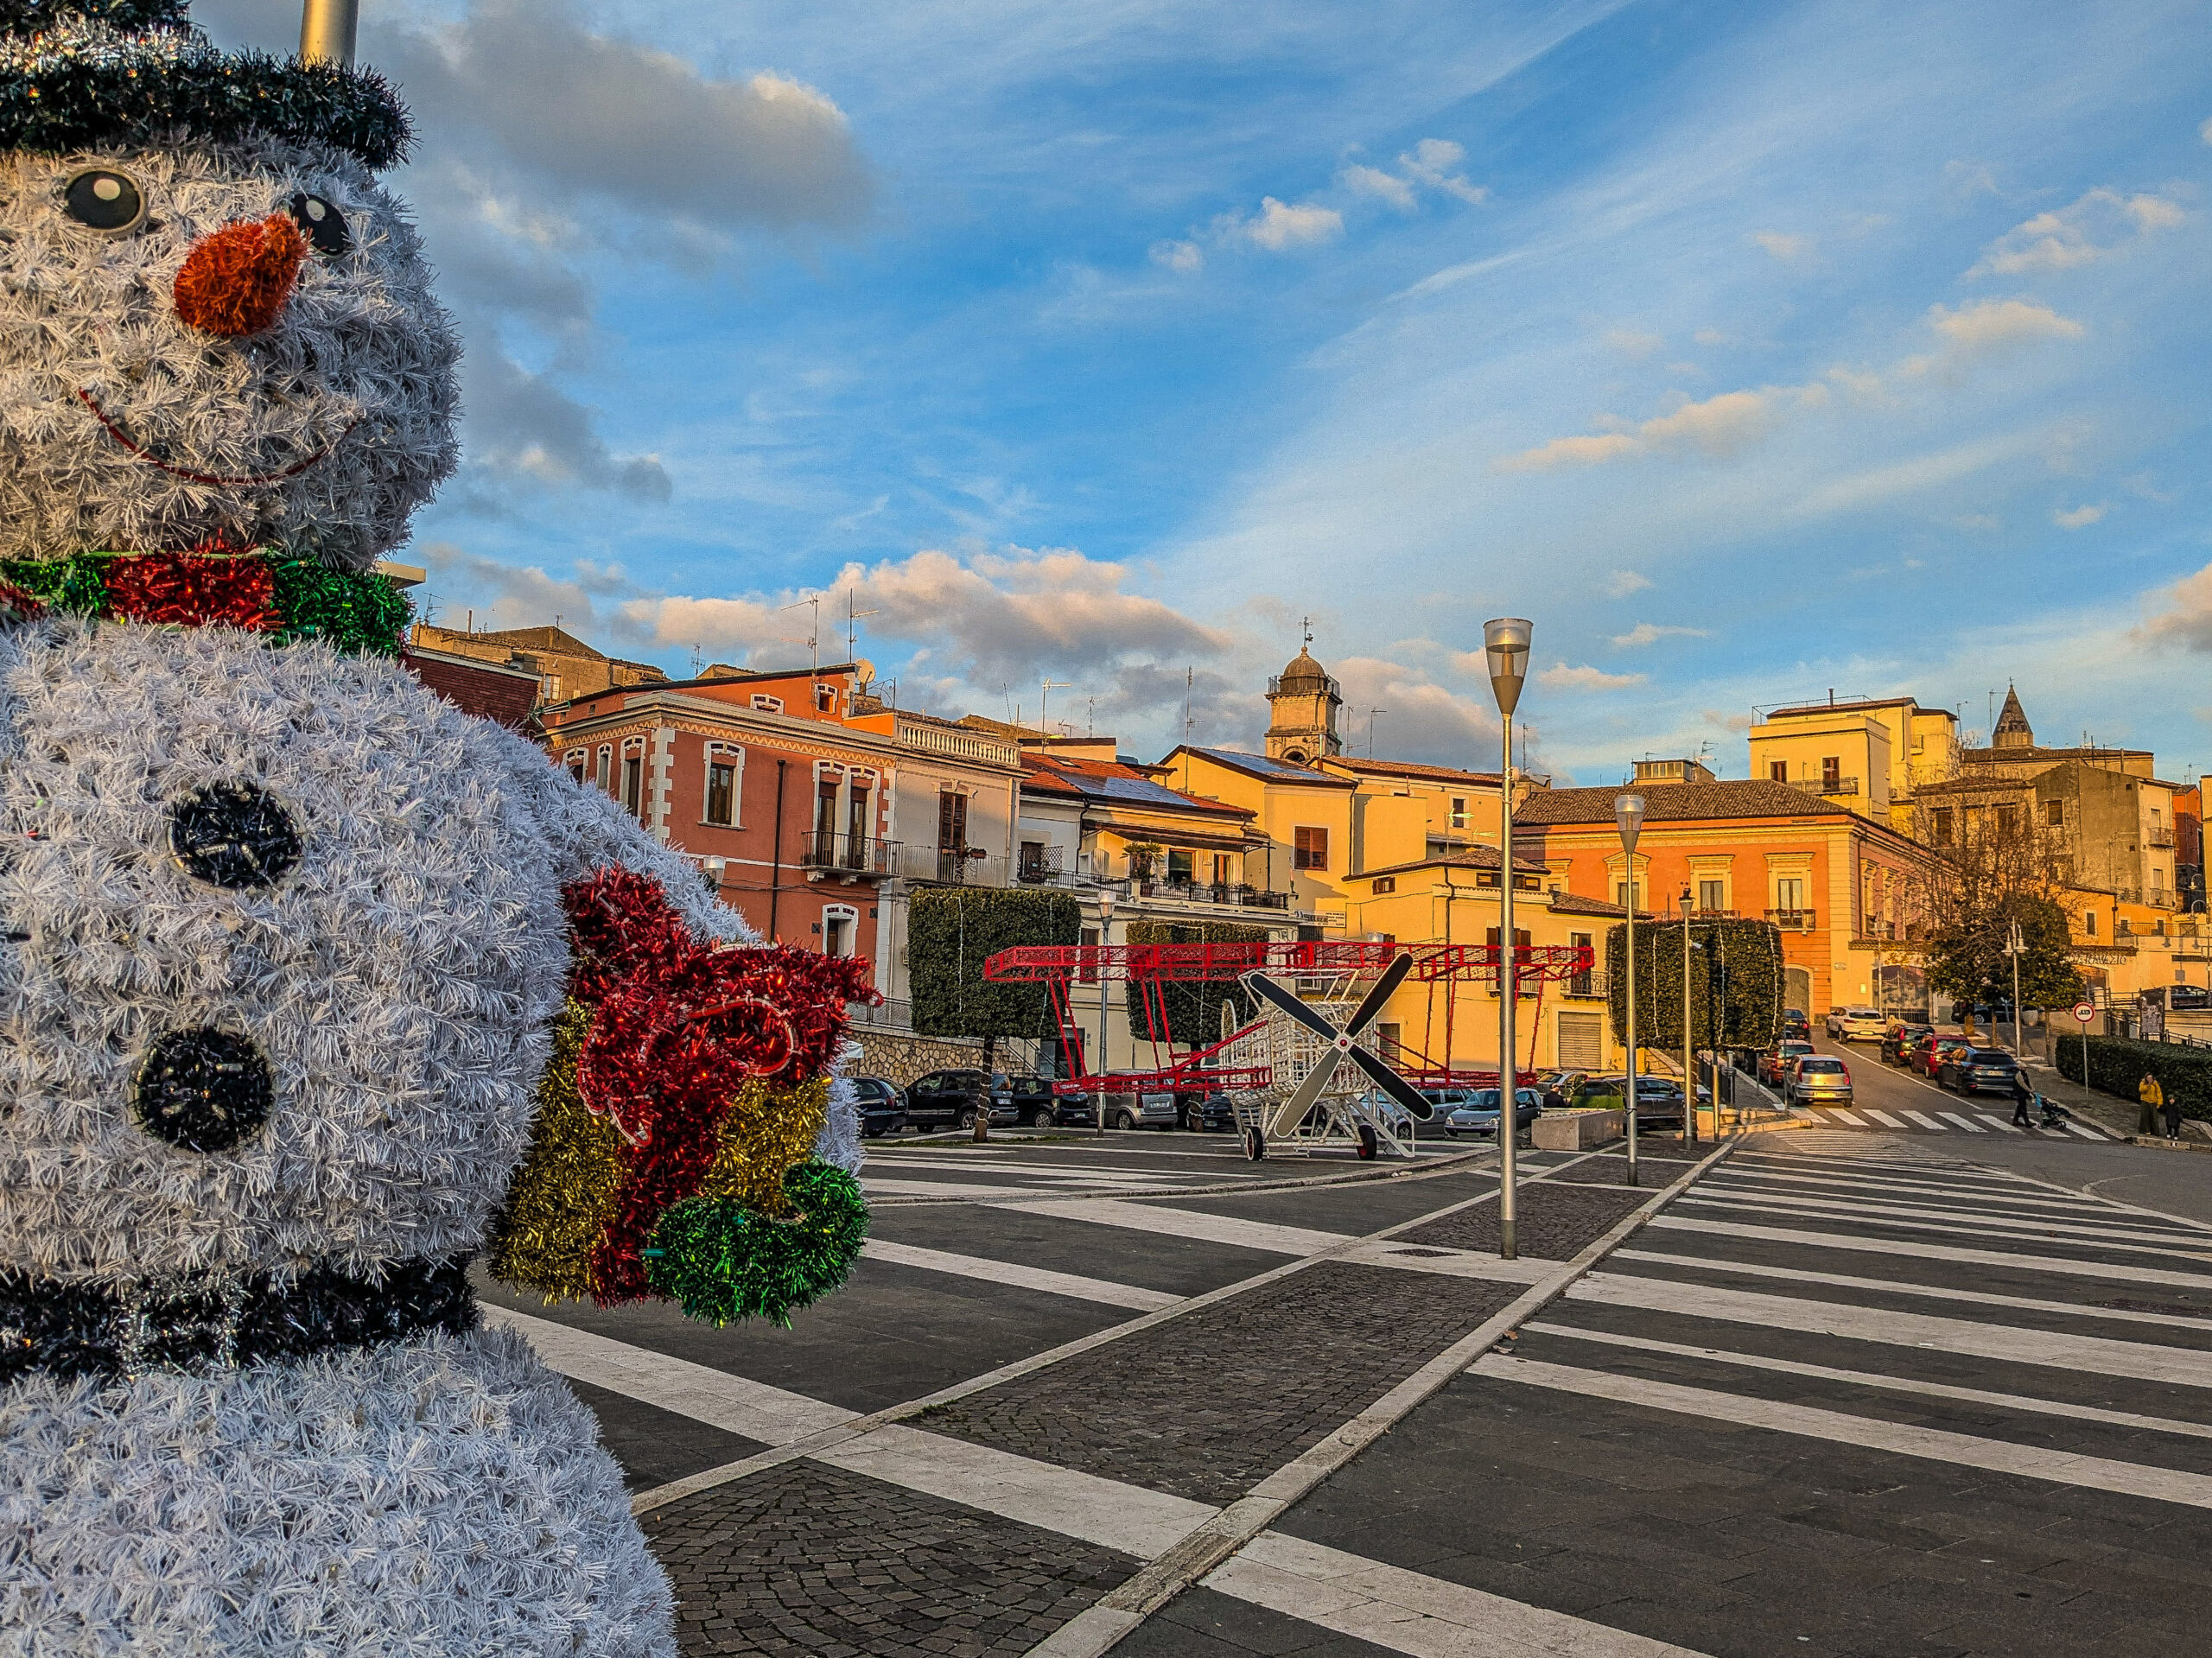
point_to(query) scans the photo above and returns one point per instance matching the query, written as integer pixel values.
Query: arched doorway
(1797, 990)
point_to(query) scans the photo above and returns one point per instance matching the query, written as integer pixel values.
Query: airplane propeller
(1343, 1045)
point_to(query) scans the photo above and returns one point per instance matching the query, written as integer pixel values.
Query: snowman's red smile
(211, 478)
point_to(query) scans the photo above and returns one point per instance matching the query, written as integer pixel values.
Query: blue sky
(1751, 352)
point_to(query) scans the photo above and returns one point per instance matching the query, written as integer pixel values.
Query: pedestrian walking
(2023, 1097)
(2154, 1100)
(2170, 1110)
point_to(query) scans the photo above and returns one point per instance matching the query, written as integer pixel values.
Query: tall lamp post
(1628, 812)
(1505, 642)
(327, 29)
(1098, 1071)
(1689, 1051)
(2015, 947)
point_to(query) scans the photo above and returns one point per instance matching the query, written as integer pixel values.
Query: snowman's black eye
(321, 223)
(232, 835)
(104, 200)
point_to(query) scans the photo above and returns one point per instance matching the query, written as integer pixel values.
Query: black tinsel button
(203, 1090)
(233, 834)
(321, 223)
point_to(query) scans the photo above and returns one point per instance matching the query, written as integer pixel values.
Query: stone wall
(899, 1056)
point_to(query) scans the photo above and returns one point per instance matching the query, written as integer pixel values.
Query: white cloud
(1630, 343)
(1432, 159)
(1182, 258)
(1739, 724)
(1560, 678)
(1421, 720)
(1374, 182)
(1621, 583)
(2101, 223)
(1281, 226)
(1652, 633)
(1717, 427)
(2205, 131)
(2079, 517)
(1786, 248)
(2185, 615)
(1985, 329)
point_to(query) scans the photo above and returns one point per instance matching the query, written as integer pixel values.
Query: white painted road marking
(1190, 1223)
(1882, 1117)
(2139, 1360)
(2125, 1272)
(1919, 1217)
(1406, 1611)
(1724, 1411)
(1028, 1278)
(1967, 1123)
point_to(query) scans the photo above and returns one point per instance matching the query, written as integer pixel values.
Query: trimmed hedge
(952, 930)
(1193, 1009)
(2117, 1064)
(1753, 951)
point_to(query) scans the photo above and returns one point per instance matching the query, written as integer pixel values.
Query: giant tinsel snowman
(313, 989)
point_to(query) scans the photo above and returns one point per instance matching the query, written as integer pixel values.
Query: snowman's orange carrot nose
(236, 280)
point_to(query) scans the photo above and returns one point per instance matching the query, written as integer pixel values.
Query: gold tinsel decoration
(561, 1196)
(767, 1131)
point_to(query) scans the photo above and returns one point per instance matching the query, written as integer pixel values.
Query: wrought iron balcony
(852, 855)
(1792, 920)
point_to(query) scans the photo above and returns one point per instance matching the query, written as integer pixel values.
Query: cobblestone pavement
(1552, 1222)
(1206, 1405)
(808, 1560)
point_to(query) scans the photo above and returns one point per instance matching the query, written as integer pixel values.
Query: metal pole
(328, 30)
(1508, 1074)
(1690, 1052)
(1631, 1095)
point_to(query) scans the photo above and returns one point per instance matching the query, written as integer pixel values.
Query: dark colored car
(1795, 1027)
(1935, 1050)
(1036, 1102)
(1897, 1046)
(1072, 1107)
(1479, 1114)
(883, 1110)
(1658, 1099)
(1775, 1063)
(1978, 1070)
(1205, 1112)
(953, 1099)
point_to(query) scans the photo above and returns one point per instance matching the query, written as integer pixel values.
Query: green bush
(1752, 952)
(1194, 1009)
(2117, 1064)
(952, 930)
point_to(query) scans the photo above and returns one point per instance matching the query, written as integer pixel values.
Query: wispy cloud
(1621, 583)
(2184, 615)
(1716, 428)
(1560, 678)
(1985, 329)
(1278, 226)
(2079, 517)
(2100, 224)
(1184, 258)
(1652, 633)
(1787, 248)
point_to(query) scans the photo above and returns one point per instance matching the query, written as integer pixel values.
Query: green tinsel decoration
(720, 1262)
(351, 611)
(73, 584)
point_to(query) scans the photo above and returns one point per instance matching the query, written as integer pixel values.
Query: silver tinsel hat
(76, 74)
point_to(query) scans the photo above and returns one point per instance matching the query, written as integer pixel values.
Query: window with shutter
(1309, 848)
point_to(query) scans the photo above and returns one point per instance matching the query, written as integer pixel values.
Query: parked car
(1125, 1109)
(1897, 1047)
(1934, 1050)
(1072, 1108)
(1658, 1099)
(1855, 1024)
(954, 1099)
(1775, 1063)
(882, 1108)
(1204, 1112)
(1479, 1114)
(1818, 1079)
(1978, 1070)
(1795, 1027)
(1034, 1101)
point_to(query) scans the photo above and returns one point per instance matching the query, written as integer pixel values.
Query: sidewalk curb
(1098, 1627)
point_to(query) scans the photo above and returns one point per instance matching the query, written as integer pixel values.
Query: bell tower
(1304, 701)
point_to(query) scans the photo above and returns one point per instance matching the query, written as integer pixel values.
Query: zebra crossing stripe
(1838, 1111)
(2086, 1134)
(1882, 1117)
(2000, 1124)
(1925, 1121)
(1965, 1122)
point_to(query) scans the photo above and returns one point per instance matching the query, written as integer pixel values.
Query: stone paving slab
(1554, 1222)
(806, 1559)
(1207, 1404)
(658, 1447)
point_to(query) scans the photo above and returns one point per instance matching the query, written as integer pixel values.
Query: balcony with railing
(956, 742)
(1229, 894)
(1792, 920)
(1586, 986)
(1041, 866)
(1825, 785)
(2161, 838)
(950, 866)
(856, 857)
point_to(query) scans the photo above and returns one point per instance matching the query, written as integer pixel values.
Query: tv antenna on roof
(1044, 692)
(698, 661)
(813, 639)
(852, 629)
(1371, 714)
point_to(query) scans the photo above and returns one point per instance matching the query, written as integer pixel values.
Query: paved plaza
(1832, 1390)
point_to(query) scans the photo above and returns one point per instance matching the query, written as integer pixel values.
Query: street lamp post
(1505, 642)
(1098, 1071)
(1690, 1052)
(2015, 947)
(1628, 812)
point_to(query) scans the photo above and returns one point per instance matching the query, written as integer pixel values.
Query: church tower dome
(1304, 701)
(2013, 730)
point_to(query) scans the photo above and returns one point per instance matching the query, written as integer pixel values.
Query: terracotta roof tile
(1665, 803)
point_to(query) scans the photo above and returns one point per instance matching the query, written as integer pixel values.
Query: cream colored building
(1867, 756)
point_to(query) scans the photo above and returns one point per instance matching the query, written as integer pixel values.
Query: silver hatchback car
(1818, 1080)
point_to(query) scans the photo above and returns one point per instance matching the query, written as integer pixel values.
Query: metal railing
(1792, 920)
(1826, 786)
(950, 866)
(854, 855)
(2159, 837)
(1587, 987)
(1038, 866)
(883, 1016)
(1234, 894)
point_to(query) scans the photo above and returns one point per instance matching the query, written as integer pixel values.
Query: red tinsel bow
(195, 589)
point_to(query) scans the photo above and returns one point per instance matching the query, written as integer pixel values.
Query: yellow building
(1868, 756)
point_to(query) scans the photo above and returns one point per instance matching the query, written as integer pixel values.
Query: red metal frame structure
(1150, 967)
